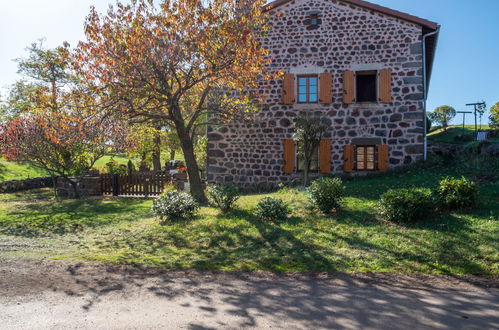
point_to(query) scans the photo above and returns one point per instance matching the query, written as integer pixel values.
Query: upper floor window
(308, 89)
(366, 86)
(314, 19)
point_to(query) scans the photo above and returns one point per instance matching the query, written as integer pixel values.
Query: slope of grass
(354, 240)
(18, 171)
(448, 136)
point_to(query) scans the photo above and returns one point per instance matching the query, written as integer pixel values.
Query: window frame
(365, 161)
(297, 160)
(307, 85)
(374, 72)
(314, 17)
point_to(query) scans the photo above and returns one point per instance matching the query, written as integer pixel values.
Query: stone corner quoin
(346, 38)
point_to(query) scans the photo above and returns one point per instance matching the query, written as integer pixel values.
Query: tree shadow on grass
(33, 219)
(274, 248)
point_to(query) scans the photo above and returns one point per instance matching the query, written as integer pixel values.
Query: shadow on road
(317, 301)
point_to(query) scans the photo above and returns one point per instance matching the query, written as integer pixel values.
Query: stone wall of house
(87, 186)
(348, 38)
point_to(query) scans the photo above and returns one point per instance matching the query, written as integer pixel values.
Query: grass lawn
(354, 240)
(439, 135)
(18, 171)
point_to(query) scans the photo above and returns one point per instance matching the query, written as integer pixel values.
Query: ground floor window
(300, 161)
(365, 158)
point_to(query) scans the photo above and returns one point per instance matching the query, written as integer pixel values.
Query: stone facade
(349, 38)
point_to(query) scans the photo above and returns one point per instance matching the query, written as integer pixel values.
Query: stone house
(363, 67)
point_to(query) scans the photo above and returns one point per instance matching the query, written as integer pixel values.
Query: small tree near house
(442, 115)
(494, 116)
(160, 61)
(309, 132)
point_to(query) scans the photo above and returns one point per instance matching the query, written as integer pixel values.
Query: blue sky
(466, 68)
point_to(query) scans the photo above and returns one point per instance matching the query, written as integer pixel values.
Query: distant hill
(449, 136)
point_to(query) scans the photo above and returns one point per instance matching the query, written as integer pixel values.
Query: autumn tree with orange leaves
(164, 63)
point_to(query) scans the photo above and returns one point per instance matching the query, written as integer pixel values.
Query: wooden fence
(136, 184)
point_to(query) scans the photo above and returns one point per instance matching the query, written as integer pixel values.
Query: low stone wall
(87, 186)
(444, 149)
(20, 185)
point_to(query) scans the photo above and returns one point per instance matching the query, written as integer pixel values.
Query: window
(307, 89)
(366, 86)
(314, 19)
(300, 162)
(365, 158)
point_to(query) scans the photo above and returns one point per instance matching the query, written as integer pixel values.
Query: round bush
(272, 209)
(223, 196)
(326, 194)
(403, 205)
(174, 205)
(456, 193)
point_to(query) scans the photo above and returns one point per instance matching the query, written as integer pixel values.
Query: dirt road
(60, 295)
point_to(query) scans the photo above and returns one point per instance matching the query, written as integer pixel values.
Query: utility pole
(464, 117)
(475, 107)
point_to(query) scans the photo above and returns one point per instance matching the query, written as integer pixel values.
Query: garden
(287, 230)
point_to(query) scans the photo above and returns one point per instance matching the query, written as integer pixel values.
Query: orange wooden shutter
(348, 87)
(288, 87)
(385, 86)
(325, 157)
(348, 158)
(383, 157)
(326, 88)
(289, 156)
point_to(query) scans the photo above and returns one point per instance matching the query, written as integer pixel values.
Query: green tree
(147, 141)
(494, 116)
(309, 130)
(442, 115)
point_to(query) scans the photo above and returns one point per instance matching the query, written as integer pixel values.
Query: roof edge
(361, 3)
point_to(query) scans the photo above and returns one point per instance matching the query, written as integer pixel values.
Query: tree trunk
(195, 182)
(172, 154)
(74, 184)
(54, 186)
(156, 156)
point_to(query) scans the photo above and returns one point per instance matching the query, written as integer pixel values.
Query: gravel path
(41, 294)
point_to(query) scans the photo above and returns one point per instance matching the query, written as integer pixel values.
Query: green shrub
(456, 193)
(272, 209)
(174, 205)
(115, 168)
(402, 205)
(223, 196)
(326, 194)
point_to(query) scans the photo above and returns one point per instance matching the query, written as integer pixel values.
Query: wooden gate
(141, 184)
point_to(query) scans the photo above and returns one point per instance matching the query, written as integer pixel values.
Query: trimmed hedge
(456, 194)
(272, 209)
(223, 196)
(326, 194)
(174, 205)
(406, 205)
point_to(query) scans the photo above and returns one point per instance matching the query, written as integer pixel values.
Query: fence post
(116, 185)
(146, 186)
